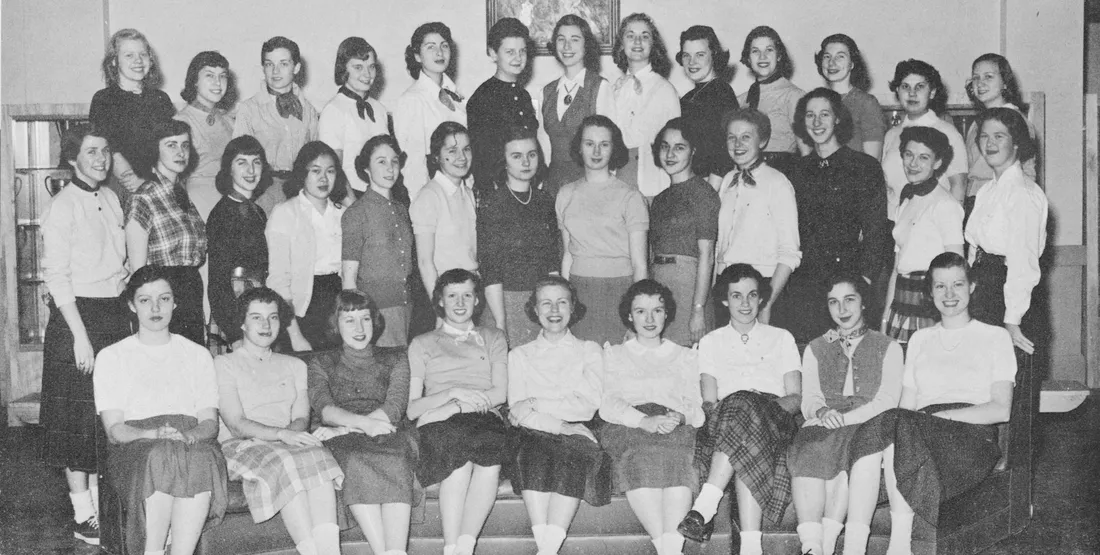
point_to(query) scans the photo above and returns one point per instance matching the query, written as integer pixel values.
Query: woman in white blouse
(652, 405)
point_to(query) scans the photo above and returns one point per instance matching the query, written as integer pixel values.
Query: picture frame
(540, 16)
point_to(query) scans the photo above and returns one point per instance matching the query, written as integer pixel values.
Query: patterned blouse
(177, 234)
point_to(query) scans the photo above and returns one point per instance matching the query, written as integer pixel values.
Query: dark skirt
(68, 413)
(818, 452)
(912, 307)
(316, 326)
(935, 459)
(378, 469)
(987, 303)
(644, 460)
(755, 433)
(569, 465)
(468, 437)
(601, 296)
(140, 468)
(679, 277)
(188, 318)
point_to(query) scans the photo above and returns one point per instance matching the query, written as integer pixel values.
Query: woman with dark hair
(842, 65)
(352, 117)
(684, 220)
(1007, 229)
(211, 94)
(567, 100)
(517, 234)
(652, 407)
(459, 381)
(603, 223)
(157, 395)
(359, 394)
(644, 99)
(849, 375)
(751, 386)
(773, 94)
(304, 241)
(432, 59)
(377, 248)
(706, 64)
(237, 248)
(957, 384)
(553, 393)
(127, 110)
(163, 227)
(264, 404)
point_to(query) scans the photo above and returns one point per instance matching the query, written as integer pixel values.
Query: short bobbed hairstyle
(500, 170)
(439, 137)
(658, 54)
(647, 287)
(73, 138)
(784, 67)
(361, 164)
(273, 43)
(944, 261)
(505, 28)
(932, 138)
(680, 124)
(859, 77)
(456, 276)
(844, 126)
(143, 276)
(531, 306)
(733, 274)
(310, 152)
(851, 278)
(1011, 92)
(160, 131)
(213, 59)
(905, 68)
(720, 57)
(153, 77)
(417, 39)
(1026, 149)
(751, 116)
(620, 155)
(352, 300)
(244, 145)
(591, 43)
(263, 295)
(351, 48)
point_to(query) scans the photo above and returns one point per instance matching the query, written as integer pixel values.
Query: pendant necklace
(569, 93)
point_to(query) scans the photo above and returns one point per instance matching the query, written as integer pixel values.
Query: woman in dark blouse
(359, 395)
(684, 227)
(237, 248)
(706, 63)
(517, 234)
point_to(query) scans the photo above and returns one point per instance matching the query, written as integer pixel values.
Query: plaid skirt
(755, 433)
(463, 438)
(379, 469)
(818, 452)
(274, 472)
(911, 309)
(569, 465)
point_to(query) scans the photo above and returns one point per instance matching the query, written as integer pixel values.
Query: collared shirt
(517, 243)
(495, 107)
(177, 234)
(758, 224)
(868, 123)
(980, 173)
(605, 101)
(758, 364)
(144, 381)
(925, 226)
(341, 128)
(634, 375)
(377, 233)
(683, 215)
(447, 210)
(640, 115)
(416, 115)
(703, 108)
(779, 100)
(443, 360)
(84, 245)
(327, 235)
(281, 137)
(563, 377)
(267, 386)
(1010, 219)
(887, 396)
(599, 219)
(209, 140)
(958, 365)
(894, 170)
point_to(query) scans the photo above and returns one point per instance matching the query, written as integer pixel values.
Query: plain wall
(42, 61)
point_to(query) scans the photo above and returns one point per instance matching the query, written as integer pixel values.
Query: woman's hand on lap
(374, 427)
(325, 433)
(297, 439)
(577, 430)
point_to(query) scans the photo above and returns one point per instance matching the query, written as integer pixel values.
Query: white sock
(449, 549)
(752, 543)
(658, 544)
(554, 536)
(831, 531)
(306, 547)
(93, 491)
(672, 543)
(161, 552)
(855, 538)
(465, 545)
(707, 502)
(539, 531)
(901, 534)
(809, 533)
(83, 508)
(326, 537)
(394, 552)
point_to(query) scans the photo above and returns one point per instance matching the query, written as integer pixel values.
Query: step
(1062, 395)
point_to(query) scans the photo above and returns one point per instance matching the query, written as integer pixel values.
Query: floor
(34, 510)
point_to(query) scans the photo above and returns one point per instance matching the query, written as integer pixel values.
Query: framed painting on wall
(540, 16)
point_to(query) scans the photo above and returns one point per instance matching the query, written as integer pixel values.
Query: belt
(671, 258)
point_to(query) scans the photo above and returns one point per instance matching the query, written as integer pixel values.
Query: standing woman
(377, 248)
(1007, 229)
(129, 107)
(706, 63)
(684, 220)
(773, 94)
(603, 224)
(517, 234)
(567, 100)
(163, 227)
(432, 60)
(842, 65)
(304, 240)
(211, 94)
(652, 407)
(644, 99)
(83, 265)
(237, 247)
(459, 383)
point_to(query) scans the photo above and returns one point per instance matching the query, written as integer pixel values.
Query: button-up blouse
(84, 246)
(341, 128)
(416, 114)
(448, 211)
(378, 235)
(759, 364)
(493, 108)
(177, 234)
(758, 224)
(634, 375)
(563, 377)
(281, 137)
(640, 112)
(926, 225)
(327, 236)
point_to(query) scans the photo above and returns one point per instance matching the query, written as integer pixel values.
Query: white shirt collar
(578, 80)
(425, 83)
(634, 346)
(309, 205)
(449, 186)
(641, 73)
(926, 120)
(544, 343)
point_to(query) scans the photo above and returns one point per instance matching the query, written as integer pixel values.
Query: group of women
(555, 360)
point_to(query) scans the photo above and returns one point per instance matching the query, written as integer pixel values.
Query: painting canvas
(540, 16)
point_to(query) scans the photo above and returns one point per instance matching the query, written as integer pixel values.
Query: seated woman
(157, 396)
(849, 375)
(360, 394)
(652, 405)
(752, 384)
(957, 383)
(459, 380)
(553, 395)
(265, 409)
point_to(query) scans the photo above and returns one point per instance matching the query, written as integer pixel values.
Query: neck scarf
(288, 104)
(835, 334)
(449, 97)
(628, 78)
(911, 190)
(745, 174)
(461, 336)
(361, 104)
(211, 113)
(753, 98)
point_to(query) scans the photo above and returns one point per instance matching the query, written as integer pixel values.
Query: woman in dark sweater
(706, 63)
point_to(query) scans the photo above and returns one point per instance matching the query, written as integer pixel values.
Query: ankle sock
(901, 534)
(554, 536)
(161, 552)
(855, 538)
(658, 544)
(83, 508)
(326, 538)
(707, 503)
(465, 545)
(306, 547)
(809, 533)
(752, 543)
(93, 491)
(539, 531)
(672, 543)
(394, 552)
(449, 549)
(830, 532)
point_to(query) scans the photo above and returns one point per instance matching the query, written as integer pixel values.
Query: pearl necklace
(530, 195)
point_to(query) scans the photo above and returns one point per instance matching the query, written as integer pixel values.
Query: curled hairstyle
(73, 139)
(1011, 92)
(531, 306)
(620, 155)
(413, 48)
(1026, 148)
(658, 54)
(439, 137)
(843, 128)
(932, 138)
(783, 66)
(143, 276)
(680, 124)
(153, 77)
(737, 272)
(362, 160)
(859, 77)
(310, 152)
(160, 131)
(519, 133)
(351, 48)
(213, 59)
(271, 44)
(263, 295)
(591, 43)
(352, 300)
(456, 276)
(246, 145)
(853, 279)
(646, 287)
(751, 116)
(720, 57)
(944, 261)
(938, 102)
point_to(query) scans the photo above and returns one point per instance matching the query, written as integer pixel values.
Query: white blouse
(759, 363)
(925, 226)
(959, 365)
(641, 109)
(667, 375)
(758, 224)
(342, 129)
(564, 377)
(416, 115)
(84, 246)
(894, 170)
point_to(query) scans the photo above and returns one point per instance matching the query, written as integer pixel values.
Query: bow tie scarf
(845, 339)
(288, 104)
(470, 334)
(448, 98)
(753, 96)
(629, 78)
(918, 189)
(361, 104)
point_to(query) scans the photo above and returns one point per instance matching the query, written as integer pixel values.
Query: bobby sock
(93, 491)
(306, 547)
(449, 549)
(901, 534)
(707, 502)
(809, 533)
(831, 531)
(855, 538)
(326, 537)
(539, 531)
(672, 543)
(752, 543)
(554, 536)
(83, 509)
(161, 552)
(658, 544)
(465, 545)
(394, 552)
